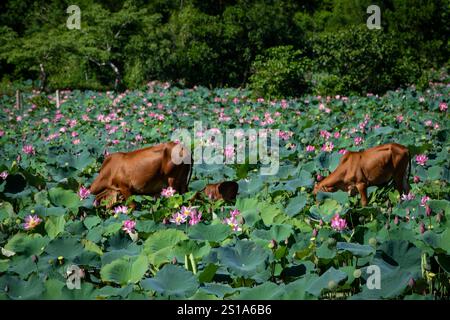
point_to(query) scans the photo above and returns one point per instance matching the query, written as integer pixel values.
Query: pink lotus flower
(195, 217)
(28, 149)
(76, 141)
(233, 223)
(328, 146)
(229, 151)
(337, 223)
(4, 175)
(428, 123)
(408, 197)
(234, 213)
(325, 134)
(128, 226)
(343, 151)
(74, 134)
(424, 201)
(178, 218)
(2, 133)
(443, 106)
(337, 135)
(358, 141)
(319, 177)
(121, 209)
(416, 179)
(421, 159)
(310, 148)
(83, 192)
(399, 118)
(187, 211)
(31, 222)
(168, 192)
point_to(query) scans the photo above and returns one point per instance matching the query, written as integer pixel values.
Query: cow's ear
(228, 190)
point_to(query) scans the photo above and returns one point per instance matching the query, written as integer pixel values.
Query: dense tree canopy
(126, 43)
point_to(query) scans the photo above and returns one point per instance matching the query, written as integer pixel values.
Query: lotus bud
(34, 258)
(439, 217)
(387, 226)
(411, 282)
(174, 260)
(286, 241)
(314, 233)
(272, 244)
(165, 221)
(428, 211)
(422, 228)
(396, 220)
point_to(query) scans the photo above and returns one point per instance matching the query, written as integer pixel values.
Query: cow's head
(321, 187)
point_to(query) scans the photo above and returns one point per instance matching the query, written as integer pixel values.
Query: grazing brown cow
(226, 190)
(372, 167)
(145, 171)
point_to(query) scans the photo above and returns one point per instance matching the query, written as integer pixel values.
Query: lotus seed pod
(17, 221)
(332, 285)
(373, 242)
(357, 273)
(32, 211)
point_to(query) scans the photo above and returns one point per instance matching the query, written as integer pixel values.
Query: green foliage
(226, 43)
(281, 71)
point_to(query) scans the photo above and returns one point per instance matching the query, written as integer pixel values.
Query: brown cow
(226, 190)
(372, 167)
(145, 171)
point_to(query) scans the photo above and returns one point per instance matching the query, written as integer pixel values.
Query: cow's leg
(362, 188)
(172, 183)
(126, 193)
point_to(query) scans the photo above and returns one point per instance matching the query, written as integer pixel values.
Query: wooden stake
(57, 99)
(18, 100)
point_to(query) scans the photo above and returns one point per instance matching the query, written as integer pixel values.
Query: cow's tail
(407, 176)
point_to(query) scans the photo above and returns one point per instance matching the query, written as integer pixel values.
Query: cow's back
(380, 163)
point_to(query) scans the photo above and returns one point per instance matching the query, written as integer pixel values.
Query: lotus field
(277, 241)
